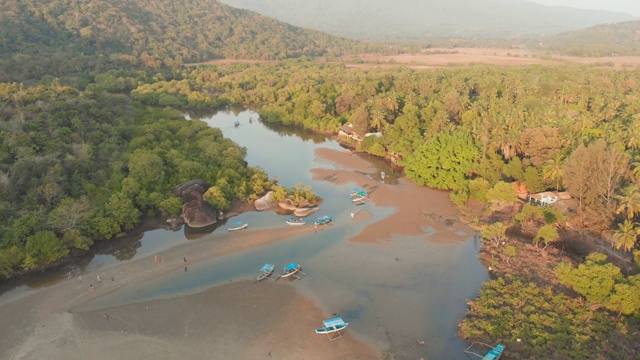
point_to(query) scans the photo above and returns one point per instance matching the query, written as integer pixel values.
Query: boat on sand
(265, 271)
(332, 326)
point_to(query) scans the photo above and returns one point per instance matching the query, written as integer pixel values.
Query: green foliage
(546, 235)
(495, 232)
(478, 189)
(42, 248)
(74, 238)
(459, 196)
(502, 194)
(515, 170)
(530, 319)
(171, 206)
(216, 198)
(529, 213)
(444, 161)
(533, 179)
(594, 279)
(602, 283)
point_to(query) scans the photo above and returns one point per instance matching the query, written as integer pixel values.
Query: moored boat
(291, 269)
(265, 271)
(332, 326)
(494, 352)
(238, 225)
(295, 222)
(324, 220)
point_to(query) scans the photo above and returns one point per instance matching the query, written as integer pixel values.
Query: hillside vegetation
(601, 40)
(64, 37)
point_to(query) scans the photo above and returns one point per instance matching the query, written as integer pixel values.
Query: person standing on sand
(184, 259)
(156, 258)
(91, 287)
(98, 278)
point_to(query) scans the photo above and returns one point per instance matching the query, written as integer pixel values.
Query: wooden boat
(265, 271)
(357, 192)
(291, 270)
(295, 222)
(238, 225)
(324, 220)
(359, 199)
(332, 326)
(494, 352)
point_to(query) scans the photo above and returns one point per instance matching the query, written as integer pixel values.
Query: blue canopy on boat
(291, 266)
(333, 322)
(266, 267)
(237, 223)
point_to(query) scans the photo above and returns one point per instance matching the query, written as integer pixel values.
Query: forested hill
(403, 19)
(59, 37)
(602, 40)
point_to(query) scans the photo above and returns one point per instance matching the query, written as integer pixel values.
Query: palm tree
(378, 120)
(629, 202)
(552, 169)
(626, 235)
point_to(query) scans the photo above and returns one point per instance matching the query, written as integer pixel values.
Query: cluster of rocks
(196, 211)
(266, 202)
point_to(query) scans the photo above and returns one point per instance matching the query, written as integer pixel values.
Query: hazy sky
(629, 6)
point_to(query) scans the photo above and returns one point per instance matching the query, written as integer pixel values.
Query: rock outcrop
(196, 212)
(265, 202)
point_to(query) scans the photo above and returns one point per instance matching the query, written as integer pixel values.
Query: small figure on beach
(80, 277)
(91, 287)
(98, 278)
(113, 279)
(352, 215)
(69, 277)
(185, 269)
(184, 259)
(156, 258)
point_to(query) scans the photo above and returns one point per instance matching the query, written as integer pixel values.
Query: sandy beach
(236, 320)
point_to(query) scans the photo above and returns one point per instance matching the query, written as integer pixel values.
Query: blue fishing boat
(493, 352)
(324, 220)
(265, 271)
(357, 192)
(332, 326)
(291, 270)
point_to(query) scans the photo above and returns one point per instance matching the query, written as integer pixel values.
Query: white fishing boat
(295, 222)
(332, 326)
(238, 225)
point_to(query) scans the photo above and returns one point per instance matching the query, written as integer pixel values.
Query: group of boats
(293, 269)
(332, 327)
(322, 220)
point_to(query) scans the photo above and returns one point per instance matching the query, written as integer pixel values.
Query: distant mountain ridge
(410, 19)
(600, 40)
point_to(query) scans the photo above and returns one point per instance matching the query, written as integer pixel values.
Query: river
(393, 295)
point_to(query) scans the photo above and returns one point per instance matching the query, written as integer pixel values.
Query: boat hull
(244, 226)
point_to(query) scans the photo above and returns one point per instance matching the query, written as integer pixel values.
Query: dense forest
(68, 38)
(92, 142)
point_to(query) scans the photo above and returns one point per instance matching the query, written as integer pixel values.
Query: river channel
(393, 295)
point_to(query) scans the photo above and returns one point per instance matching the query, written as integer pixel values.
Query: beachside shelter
(332, 328)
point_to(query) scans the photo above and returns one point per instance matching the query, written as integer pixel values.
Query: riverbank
(240, 319)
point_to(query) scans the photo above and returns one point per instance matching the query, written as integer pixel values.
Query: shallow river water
(393, 295)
